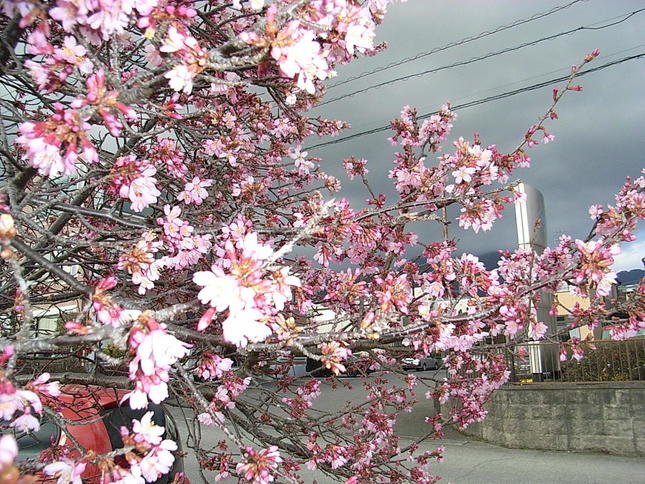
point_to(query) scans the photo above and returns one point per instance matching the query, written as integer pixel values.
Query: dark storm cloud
(600, 132)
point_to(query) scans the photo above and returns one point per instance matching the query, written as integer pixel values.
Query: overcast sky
(600, 133)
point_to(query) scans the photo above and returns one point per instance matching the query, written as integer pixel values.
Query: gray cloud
(599, 134)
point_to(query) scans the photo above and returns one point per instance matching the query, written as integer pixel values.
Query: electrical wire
(483, 57)
(457, 43)
(488, 99)
(559, 71)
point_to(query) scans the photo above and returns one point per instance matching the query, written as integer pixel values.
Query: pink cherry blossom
(245, 325)
(41, 384)
(155, 351)
(301, 57)
(596, 262)
(52, 146)
(8, 450)
(181, 78)
(146, 430)
(258, 467)
(159, 461)
(74, 54)
(538, 330)
(213, 366)
(67, 471)
(195, 191)
(134, 179)
(26, 423)
(204, 234)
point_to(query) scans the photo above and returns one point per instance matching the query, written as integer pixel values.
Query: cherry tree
(156, 183)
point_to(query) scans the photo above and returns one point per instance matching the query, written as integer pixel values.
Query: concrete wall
(606, 417)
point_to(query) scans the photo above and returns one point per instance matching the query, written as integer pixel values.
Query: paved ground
(472, 462)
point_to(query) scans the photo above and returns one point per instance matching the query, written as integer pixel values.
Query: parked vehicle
(423, 364)
(106, 414)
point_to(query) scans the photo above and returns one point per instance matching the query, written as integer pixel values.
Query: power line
(477, 102)
(483, 57)
(508, 85)
(457, 43)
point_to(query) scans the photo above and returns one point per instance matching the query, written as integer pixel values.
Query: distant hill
(630, 277)
(490, 259)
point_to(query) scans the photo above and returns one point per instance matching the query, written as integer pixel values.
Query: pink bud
(368, 320)
(107, 283)
(206, 319)
(592, 55)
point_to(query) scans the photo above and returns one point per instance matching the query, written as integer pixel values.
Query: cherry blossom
(157, 454)
(67, 471)
(238, 283)
(134, 179)
(20, 407)
(155, 351)
(258, 466)
(8, 450)
(52, 146)
(213, 366)
(162, 190)
(332, 356)
(195, 191)
(596, 262)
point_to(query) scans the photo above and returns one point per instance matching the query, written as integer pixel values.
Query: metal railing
(596, 361)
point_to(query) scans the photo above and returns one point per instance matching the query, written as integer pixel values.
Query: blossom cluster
(226, 203)
(154, 351)
(305, 395)
(346, 28)
(332, 355)
(106, 310)
(22, 407)
(106, 103)
(58, 63)
(184, 247)
(212, 366)
(140, 262)
(149, 458)
(99, 20)
(237, 283)
(193, 58)
(52, 146)
(258, 467)
(231, 388)
(134, 179)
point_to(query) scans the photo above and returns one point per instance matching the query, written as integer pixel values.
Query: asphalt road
(466, 461)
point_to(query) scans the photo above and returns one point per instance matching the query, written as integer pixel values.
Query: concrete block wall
(605, 417)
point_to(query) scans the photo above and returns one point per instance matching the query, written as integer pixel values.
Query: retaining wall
(605, 417)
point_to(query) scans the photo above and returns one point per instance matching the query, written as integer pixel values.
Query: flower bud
(592, 55)
(368, 320)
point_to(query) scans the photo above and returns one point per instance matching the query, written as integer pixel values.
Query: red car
(105, 413)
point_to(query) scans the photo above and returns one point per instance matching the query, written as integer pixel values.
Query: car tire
(424, 367)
